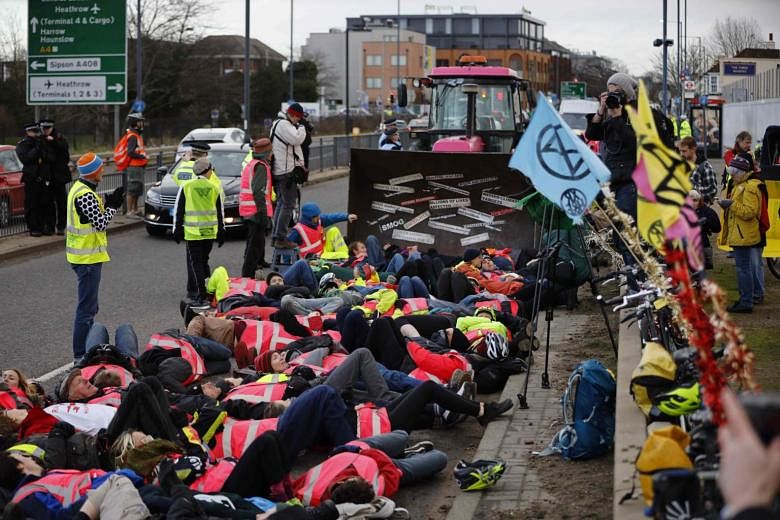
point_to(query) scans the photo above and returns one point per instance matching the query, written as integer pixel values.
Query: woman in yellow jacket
(741, 214)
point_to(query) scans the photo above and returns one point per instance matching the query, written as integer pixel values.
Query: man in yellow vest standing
(183, 171)
(198, 219)
(86, 243)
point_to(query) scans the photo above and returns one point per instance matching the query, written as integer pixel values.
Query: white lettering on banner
(474, 182)
(406, 178)
(448, 188)
(390, 187)
(67, 88)
(377, 221)
(476, 215)
(443, 217)
(482, 237)
(390, 208)
(448, 227)
(499, 200)
(449, 203)
(413, 236)
(391, 225)
(447, 177)
(416, 220)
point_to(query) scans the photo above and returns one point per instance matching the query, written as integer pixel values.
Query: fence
(325, 152)
(765, 85)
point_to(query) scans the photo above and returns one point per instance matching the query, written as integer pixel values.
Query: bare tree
(732, 35)
(695, 59)
(12, 46)
(179, 21)
(326, 76)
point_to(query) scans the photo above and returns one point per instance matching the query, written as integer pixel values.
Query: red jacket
(494, 286)
(440, 365)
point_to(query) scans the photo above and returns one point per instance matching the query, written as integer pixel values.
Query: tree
(730, 36)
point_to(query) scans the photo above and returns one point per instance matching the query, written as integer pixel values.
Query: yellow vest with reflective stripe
(200, 209)
(183, 172)
(28, 449)
(246, 160)
(83, 244)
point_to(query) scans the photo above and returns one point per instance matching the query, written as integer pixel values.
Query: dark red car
(11, 186)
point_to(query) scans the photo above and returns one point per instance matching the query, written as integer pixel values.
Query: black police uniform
(36, 176)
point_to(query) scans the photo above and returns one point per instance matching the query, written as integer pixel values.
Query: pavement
(23, 244)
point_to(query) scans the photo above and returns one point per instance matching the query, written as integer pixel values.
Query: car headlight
(153, 197)
(231, 200)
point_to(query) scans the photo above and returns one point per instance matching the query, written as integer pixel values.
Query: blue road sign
(702, 100)
(138, 106)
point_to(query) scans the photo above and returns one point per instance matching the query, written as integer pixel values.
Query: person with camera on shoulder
(287, 136)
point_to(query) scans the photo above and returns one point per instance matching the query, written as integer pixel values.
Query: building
(750, 74)
(373, 62)
(227, 52)
(560, 64)
(509, 40)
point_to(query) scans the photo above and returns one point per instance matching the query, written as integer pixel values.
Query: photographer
(287, 136)
(36, 176)
(612, 126)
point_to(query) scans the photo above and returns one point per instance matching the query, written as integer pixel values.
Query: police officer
(86, 243)
(254, 205)
(57, 151)
(198, 219)
(36, 176)
(183, 171)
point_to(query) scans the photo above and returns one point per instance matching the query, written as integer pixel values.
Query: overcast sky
(623, 29)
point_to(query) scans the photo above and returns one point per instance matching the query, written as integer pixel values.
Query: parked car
(574, 112)
(226, 160)
(11, 186)
(211, 136)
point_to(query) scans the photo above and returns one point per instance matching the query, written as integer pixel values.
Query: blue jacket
(326, 219)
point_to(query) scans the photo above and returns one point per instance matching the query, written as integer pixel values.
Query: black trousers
(198, 269)
(38, 213)
(145, 408)
(255, 247)
(262, 464)
(60, 198)
(407, 412)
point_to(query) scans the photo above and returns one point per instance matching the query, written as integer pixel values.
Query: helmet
(134, 118)
(477, 475)
(679, 401)
(496, 346)
(486, 310)
(327, 279)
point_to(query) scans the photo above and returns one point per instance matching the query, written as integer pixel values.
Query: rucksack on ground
(121, 159)
(588, 412)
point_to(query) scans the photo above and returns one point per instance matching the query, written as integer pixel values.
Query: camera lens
(613, 100)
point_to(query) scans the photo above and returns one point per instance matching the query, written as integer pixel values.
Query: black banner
(446, 201)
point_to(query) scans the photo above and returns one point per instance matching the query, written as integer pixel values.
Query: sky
(622, 29)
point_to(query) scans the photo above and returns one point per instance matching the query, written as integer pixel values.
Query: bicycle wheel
(774, 266)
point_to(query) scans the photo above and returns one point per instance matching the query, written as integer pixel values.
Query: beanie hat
(261, 145)
(309, 211)
(263, 362)
(64, 388)
(626, 83)
(201, 166)
(271, 275)
(295, 109)
(470, 254)
(89, 164)
(742, 162)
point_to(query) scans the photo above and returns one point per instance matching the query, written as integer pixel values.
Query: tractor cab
(474, 108)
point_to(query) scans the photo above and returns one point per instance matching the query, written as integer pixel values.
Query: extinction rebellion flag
(558, 163)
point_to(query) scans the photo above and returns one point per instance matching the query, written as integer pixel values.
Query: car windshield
(227, 164)
(9, 162)
(493, 107)
(575, 121)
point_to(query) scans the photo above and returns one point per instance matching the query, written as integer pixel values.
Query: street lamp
(138, 56)
(398, 50)
(291, 50)
(246, 71)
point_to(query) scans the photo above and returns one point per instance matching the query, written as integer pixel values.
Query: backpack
(121, 159)
(589, 413)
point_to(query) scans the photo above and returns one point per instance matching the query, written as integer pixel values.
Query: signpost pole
(116, 123)
(138, 55)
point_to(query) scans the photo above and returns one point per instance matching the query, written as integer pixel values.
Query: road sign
(138, 106)
(575, 89)
(689, 85)
(703, 100)
(76, 52)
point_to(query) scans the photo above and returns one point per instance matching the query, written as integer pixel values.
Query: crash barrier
(14, 197)
(443, 201)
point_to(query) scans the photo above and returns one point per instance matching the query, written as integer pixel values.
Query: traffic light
(392, 99)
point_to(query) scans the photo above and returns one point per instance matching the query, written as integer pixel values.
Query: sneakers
(243, 354)
(758, 300)
(493, 410)
(459, 377)
(420, 447)
(478, 475)
(737, 308)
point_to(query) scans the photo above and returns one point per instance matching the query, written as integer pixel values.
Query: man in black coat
(36, 176)
(57, 150)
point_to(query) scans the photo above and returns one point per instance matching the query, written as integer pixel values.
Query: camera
(615, 99)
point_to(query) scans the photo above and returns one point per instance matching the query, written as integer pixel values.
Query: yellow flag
(661, 176)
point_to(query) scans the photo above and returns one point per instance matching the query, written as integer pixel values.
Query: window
(448, 26)
(373, 82)
(439, 26)
(495, 26)
(373, 60)
(462, 26)
(418, 25)
(442, 63)
(394, 82)
(714, 84)
(394, 60)
(475, 26)
(516, 62)
(494, 109)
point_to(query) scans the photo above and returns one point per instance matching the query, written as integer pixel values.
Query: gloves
(62, 430)
(725, 203)
(116, 199)
(303, 371)
(178, 235)
(220, 239)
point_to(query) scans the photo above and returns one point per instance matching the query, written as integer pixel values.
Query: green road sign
(76, 52)
(573, 89)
